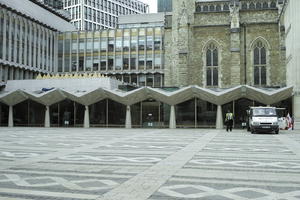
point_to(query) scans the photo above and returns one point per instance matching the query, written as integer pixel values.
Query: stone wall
(234, 32)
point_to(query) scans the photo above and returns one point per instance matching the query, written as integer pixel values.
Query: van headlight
(255, 123)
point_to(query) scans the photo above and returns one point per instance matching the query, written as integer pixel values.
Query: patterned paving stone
(140, 164)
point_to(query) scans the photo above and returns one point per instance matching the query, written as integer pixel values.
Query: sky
(152, 4)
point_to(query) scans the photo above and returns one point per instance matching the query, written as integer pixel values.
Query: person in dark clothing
(229, 120)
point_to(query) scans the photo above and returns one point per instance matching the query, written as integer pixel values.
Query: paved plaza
(153, 164)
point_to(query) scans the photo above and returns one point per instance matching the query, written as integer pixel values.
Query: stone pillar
(235, 44)
(296, 111)
(86, 117)
(10, 117)
(219, 120)
(47, 117)
(172, 117)
(128, 117)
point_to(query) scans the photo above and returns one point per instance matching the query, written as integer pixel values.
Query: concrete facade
(291, 17)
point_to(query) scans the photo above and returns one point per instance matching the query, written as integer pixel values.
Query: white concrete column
(219, 120)
(128, 117)
(172, 117)
(10, 117)
(86, 117)
(11, 73)
(17, 74)
(4, 47)
(296, 111)
(47, 117)
(1, 72)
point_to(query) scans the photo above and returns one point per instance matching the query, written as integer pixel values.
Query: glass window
(118, 44)
(133, 62)
(212, 65)
(157, 61)
(260, 61)
(110, 62)
(103, 44)
(142, 80)
(89, 63)
(103, 63)
(111, 44)
(141, 62)
(126, 44)
(141, 43)
(133, 43)
(149, 42)
(125, 62)
(118, 62)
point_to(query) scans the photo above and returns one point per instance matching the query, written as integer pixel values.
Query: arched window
(226, 7)
(265, 5)
(218, 8)
(198, 8)
(260, 62)
(244, 6)
(273, 4)
(252, 6)
(212, 63)
(211, 8)
(258, 5)
(205, 8)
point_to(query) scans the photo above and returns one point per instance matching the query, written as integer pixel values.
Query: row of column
(37, 43)
(128, 124)
(13, 73)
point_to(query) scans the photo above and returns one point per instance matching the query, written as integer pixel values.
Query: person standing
(229, 120)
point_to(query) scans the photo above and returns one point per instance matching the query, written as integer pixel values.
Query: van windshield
(264, 112)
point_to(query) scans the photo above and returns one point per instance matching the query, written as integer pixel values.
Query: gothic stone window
(265, 5)
(260, 62)
(273, 4)
(226, 7)
(212, 64)
(198, 8)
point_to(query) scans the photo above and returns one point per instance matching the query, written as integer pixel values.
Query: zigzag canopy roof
(89, 97)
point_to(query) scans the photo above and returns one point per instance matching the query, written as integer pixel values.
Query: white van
(263, 119)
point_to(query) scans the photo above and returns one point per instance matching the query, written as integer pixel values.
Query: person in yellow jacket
(229, 120)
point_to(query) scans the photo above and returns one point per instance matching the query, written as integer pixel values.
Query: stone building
(222, 44)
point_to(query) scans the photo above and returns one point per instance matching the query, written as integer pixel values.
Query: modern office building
(291, 24)
(164, 6)
(28, 39)
(133, 55)
(101, 14)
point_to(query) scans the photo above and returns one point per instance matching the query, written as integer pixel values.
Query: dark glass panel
(256, 75)
(208, 77)
(185, 114)
(256, 56)
(263, 75)
(208, 58)
(98, 114)
(215, 77)
(206, 114)
(215, 57)
(263, 56)
(116, 114)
